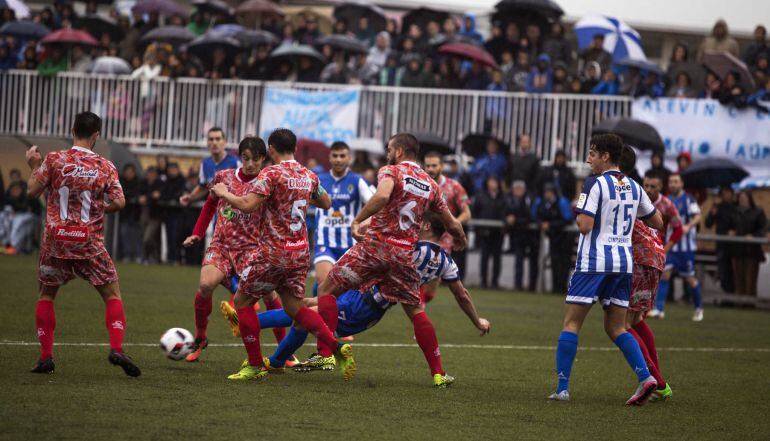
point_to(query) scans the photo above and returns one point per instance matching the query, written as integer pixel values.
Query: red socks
(327, 309)
(202, 312)
(249, 324)
(115, 319)
(425, 334)
(279, 333)
(312, 321)
(45, 322)
(645, 334)
(651, 365)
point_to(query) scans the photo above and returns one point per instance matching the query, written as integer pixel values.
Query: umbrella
(214, 7)
(722, 63)
(546, 8)
(470, 52)
(712, 173)
(351, 11)
(259, 7)
(344, 43)
(98, 25)
(643, 65)
(752, 182)
(369, 145)
(204, 45)
(442, 39)
(173, 35)
(421, 17)
(19, 8)
(162, 7)
(295, 51)
(24, 30)
(634, 132)
(247, 37)
(70, 36)
(324, 20)
(475, 144)
(110, 65)
(432, 142)
(620, 40)
(309, 148)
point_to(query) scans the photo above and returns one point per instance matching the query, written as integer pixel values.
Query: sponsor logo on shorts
(71, 234)
(401, 243)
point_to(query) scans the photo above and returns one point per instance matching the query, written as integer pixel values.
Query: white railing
(177, 112)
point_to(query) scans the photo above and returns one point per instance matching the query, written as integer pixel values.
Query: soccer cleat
(124, 361)
(662, 394)
(442, 380)
(231, 316)
(559, 396)
(46, 366)
(697, 316)
(643, 391)
(316, 363)
(656, 313)
(344, 357)
(198, 346)
(271, 369)
(249, 372)
(293, 361)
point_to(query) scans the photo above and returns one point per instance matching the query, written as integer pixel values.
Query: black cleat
(125, 362)
(44, 366)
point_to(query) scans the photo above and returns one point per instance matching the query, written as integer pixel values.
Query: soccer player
(349, 192)
(681, 258)
(456, 199)
(384, 256)
(235, 239)
(281, 262)
(218, 161)
(607, 208)
(77, 181)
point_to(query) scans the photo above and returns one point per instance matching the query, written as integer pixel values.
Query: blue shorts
(327, 254)
(682, 262)
(589, 288)
(357, 313)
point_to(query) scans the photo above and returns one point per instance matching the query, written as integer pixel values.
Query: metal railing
(168, 112)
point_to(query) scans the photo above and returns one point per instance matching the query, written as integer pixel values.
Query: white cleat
(559, 396)
(656, 313)
(643, 392)
(698, 315)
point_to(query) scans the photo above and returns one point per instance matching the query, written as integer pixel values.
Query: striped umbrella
(619, 39)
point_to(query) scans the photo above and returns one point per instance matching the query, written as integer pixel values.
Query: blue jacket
(471, 30)
(535, 72)
(564, 207)
(486, 166)
(606, 88)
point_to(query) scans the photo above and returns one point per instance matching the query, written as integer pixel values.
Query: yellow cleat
(344, 358)
(249, 373)
(443, 381)
(231, 316)
(316, 362)
(271, 369)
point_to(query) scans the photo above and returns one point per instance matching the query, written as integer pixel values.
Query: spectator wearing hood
(491, 164)
(365, 34)
(336, 72)
(561, 78)
(378, 54)
(540, 79)
(556, 46)
(469, 28)
(719, 41)
(553, 212)
(559, 174)
(591, 76)
(414, 75)
(609, 84)
(520, 73)
(54, 62)
(757, 47)
(683, 161)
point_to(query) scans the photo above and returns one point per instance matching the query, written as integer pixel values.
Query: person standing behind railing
(748, 221)
(173, 217)
(721, 216)
(490, 205)
(553, 212)
(130, 245)
(525, 243)
(152, 214)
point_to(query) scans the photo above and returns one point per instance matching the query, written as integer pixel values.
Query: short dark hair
(86, 124)
(627, 161)
(255, 145)
(217, 129)
(339, 145)
(436, 226)
(408, 142)
(608, 143)
(129, 166)
(434, 154)
(651, 174)
(283, 140)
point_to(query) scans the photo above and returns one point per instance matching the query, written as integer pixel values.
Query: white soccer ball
(177, 343)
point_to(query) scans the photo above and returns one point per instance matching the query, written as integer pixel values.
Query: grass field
(502, 379)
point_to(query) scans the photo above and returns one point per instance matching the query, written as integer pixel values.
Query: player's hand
(190, 241)
(685, 229)
(355, 230)
(363, 226)
(219, 190)
(184, 200)
(34, 158)
(484, 326)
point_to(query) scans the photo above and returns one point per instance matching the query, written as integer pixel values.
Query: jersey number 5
(298, 212)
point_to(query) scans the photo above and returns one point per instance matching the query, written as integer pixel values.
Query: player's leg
(248, 322)
(429, 290)
(660, 300)
(210, 277)
(567, 345)
(697, 301)
(273, 303)
(45, 322)
(425, 334)
(323, 264)
(615, 327)
(115, 321)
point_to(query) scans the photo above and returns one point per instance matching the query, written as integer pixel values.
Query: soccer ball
(177, 343)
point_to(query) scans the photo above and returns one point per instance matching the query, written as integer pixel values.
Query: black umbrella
(215, 7)
(546, 8)
(296, 51)
(421, 17)
(173, 35)
(634, 133)
(351, 11)
(256, 37)
(162, 7)
(24, 30)
(712, 173)
(344, 43)
(643, 65)
(98, 25)
(204, 45)
(441, 39)
(722, 63)
(432, 142)
(475, 144)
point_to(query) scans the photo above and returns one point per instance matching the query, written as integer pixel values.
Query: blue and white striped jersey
(688, 208)
(614, 201)
(209, 168)
(433, 263)
(349, 194)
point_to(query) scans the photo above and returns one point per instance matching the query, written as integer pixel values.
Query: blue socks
(289, 345)
(660, 301)
(630, 348)
(233, 284)
(274, 318)
(696, 298)
(315, 289)
(565, 357)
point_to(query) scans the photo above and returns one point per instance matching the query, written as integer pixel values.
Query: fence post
(27, 91)
(244, 103)
(554, 126)
(170, 109)
(475, 113)
(396, 104)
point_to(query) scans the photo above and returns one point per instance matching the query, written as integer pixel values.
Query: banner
(706, 128)
(326, 116)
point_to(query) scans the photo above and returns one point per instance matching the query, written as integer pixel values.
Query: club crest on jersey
(228, 213)
(350, 188)
(78, 171)
(416, 187)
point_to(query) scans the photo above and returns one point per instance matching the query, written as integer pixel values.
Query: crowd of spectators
(529, 57)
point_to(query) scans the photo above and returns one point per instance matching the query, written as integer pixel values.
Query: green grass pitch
(500, 391)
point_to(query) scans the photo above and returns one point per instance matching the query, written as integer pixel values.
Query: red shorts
(230, 262)
(97, 270)
(375, 263)
(260, 279)
(644, 288)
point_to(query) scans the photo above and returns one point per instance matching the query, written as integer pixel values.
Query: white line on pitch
(412, 345)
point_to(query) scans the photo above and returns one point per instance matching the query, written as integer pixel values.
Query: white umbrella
(620, 39)
(19, 8)
(111, 66)
(753, 182)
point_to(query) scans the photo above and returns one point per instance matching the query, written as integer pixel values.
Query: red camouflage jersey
(287, 187)
(647, 242)
(456, 199)
(399, 222)
(235, 229)
(77, 181)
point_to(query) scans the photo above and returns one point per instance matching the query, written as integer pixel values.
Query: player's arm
(464, 300)
(204, 219)
(693, 222)
(465, 215)
(34, 161)
(321, 199)
(455, 228)
(247, 203)
(655, 221)
(364, 191)
(585, 223)
(198, 192)
(115, 205)
(378, 201)
(587, 205)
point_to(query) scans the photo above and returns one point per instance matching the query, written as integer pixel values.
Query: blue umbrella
(753, 182)
(24, 30)
(643, 65)
(619, 39)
